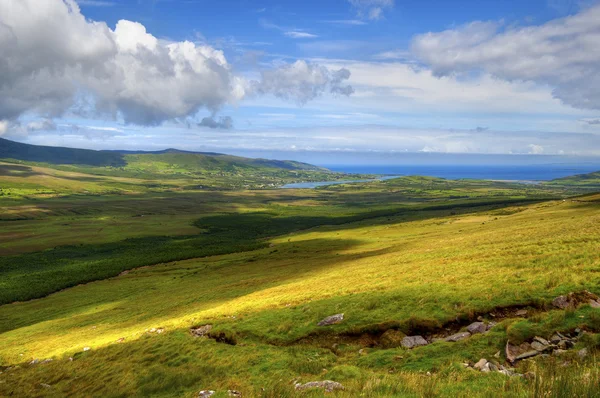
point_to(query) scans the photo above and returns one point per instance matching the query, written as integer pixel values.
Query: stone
(541, 340)
(477, 327)
(206, 393)
(582, 353)
(514, 353)
(555, 339)
(521, 313)
(480, 364)
(392, 338)
(528, 354)
(331, 320)
(327, 385)
(558, 352)
(536, 345)
(458, 337)
(234, 393)
(413, 341)
(594, 303)
(493, 367)
(561, 302)
(85, 349)
(201, 331)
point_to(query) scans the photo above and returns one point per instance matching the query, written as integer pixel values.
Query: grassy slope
(406, 269)
(229, 223)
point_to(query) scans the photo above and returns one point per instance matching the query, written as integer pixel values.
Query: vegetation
(413, 255)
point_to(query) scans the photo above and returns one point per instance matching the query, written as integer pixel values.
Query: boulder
(392, 338)
(331, 320)
(477, 327)
(326, 385)
(528, 354)
(514, 352)
(413, 341)
(561, 302)
(458, 337)
(201, 331)
(536, 345)
(480, 364)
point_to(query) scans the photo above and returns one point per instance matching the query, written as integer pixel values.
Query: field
(102, 282)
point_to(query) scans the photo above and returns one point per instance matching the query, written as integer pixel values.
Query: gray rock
(480, 364)
(541, 340)
(201, 331)
(458, 337)
(477, 327)
(558, 352)
(206, 393)
(582, 353)
(561, 302)
(594, 303)
(234, 393)
(413, 341)
(528, 354)
(536, 345)
(331, 320)
(327, 385)
(521, 313)
(555, 339)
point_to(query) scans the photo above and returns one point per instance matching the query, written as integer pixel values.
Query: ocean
(537, 172)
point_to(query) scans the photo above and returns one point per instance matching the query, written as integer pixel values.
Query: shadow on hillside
(13, 170)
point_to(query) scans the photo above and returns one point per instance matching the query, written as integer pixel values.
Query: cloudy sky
(240, 76)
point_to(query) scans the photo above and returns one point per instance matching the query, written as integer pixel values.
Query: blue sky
(237, 76)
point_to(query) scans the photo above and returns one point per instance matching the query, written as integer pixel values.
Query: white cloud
(300, 35)
(355, 22)
(562, 53)
(51, 54)
(302, 82)
(3, 127)
(371, 9)
(95, 3)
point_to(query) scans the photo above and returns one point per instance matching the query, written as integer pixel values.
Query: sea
(537, 172)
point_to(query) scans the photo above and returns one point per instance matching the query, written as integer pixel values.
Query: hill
(590, 180)
(186, 159)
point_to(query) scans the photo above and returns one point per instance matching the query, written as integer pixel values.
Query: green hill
(184, 159)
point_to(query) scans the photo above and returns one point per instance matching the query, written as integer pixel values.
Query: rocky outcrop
(575, 299)
(201, 331)
(485, 366)
(557, 345)
(326, 385)
(458, 337)
(331, 320)
(413, 341)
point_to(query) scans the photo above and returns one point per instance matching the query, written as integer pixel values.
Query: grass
(263, 267)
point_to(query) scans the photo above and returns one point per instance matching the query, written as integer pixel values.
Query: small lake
(325, 183)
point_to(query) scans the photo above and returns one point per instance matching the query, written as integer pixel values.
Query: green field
(408, 256)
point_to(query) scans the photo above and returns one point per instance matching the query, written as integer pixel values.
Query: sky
(290, 77)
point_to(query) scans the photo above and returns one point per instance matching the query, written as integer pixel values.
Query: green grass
(412, 254)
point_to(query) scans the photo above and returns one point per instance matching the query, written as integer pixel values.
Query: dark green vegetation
(409, 255)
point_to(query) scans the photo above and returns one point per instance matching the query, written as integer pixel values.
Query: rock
(528, 354)
(206, 393)
(561, 302)
(536, 345)
(521, 313)
(391, 338)
(497, 355)
(201, 331)
(555, 339)
(413, 341)
(327, 385)
(234, 393)
(558, 352)
(492, 367)
(514, 353)
(85, 349)
(582, 353)
(477, 327)
(47, 360)
(331, 320)
(458, 337)
(594, 303)
(34, 362)
(480, 364)
(45, 385)
(541, 340)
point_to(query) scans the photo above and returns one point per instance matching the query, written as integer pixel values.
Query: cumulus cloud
(562, 53)
(18, 129)
(302, 82)
(224, 122)
(371, 9)
(51, 54)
